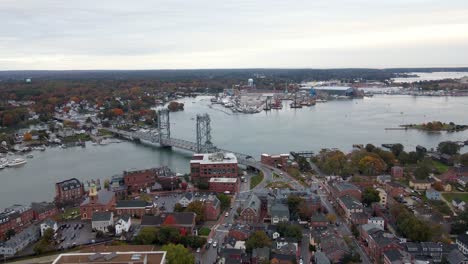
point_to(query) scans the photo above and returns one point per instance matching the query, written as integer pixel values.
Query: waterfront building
(138, 180)
(221, 185)
(277, 161)
(16, 218)
(205, 166)
(69, 191)
(101, 201)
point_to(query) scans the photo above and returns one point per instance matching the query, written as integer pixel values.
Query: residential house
(463, 181)
(334, 247)
(432, 194)
(251, 211)
(279, 213)
(102, 201)
(43, 210)
(260, 255)
(318, 220)
(382, 179)
(383, 197)
(377, 221)
(20, 241)
(395, 189)
(100, 221)
(395, 256)
(456, 257)
(396, 172)
(359, 218)
(462, 243)
(428, 251)
(420, 184)
(135, 208)
(240, 232)
(123, 224)
(377, 241)
(184, 221)
(186, 199)
(339, 189)
(459, 204)
(349, 204)
(212, 208)
(48, 223)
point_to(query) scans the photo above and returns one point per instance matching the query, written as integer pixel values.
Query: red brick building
(17, 218)
(203, 167)
(102, 201)
(44, 210)
(339, 189)
(137, 208)
(212, 208)
(69, 191)
(396, 172)
(222, 185)
(184, 221)
(377, 242)
(251, 212)
(240, 232)
(394, 189)
(278, 161)
(139, 179)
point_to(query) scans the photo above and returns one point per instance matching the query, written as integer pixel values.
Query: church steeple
(93, 194)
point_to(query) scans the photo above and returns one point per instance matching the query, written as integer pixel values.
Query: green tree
(293, 203)
(197, 207)
(167, 234)
(10, 233)
(464, 159)
(225, 201)
(147, 236)
(354, 230)
(370, 195)
(448, 147)
(397, 149)
(460, 224)
(111, 229)
(291, 231)
(423, 170)
(178, 254)
(370, 148)
(178, 207)
(257, 240)
(403, 158)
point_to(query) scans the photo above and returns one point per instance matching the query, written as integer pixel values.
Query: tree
(178, 208)
(423, 170)
(460, 224)
(372, 165)
(293, 203)
(291, 231)
(331, 218)
(10, 233)
(111, 229)
(117, 112)
(370, 195)
(147, 236)
(167, 234)
(305, 211)
(370, 148)
(40, 247)
(397, 149)
(106, 184)
(448, 147)
(354, 230)
(197, 207)
(178, 254)
(464, 159)
(225, 201)
(257, 240)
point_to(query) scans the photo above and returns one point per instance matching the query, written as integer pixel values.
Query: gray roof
(279, 210)
(101, 216)
(318, 217)
(463, 239)
(456, 257)
(321, 258)
(131, 204)
(104, 197)
(345, 186)
(263, 252)
(42, 207)
(393, 255)
(350, 202)
(253, 202)
(69, 184)
(32, 231)
(181, 219)
(189, 196)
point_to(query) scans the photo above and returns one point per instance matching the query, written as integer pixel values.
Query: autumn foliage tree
(27, 137)
(371, 165)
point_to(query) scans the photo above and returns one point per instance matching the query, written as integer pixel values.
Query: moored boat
(16, 162)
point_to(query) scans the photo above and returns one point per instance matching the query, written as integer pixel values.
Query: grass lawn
(441, 168)
(450, 196)
(256, 180)
(204, 231)
(71, 213)
(279, 185)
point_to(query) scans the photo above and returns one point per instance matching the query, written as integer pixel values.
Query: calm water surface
(336, 124)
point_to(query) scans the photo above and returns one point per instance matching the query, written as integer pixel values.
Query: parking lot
(74, 233)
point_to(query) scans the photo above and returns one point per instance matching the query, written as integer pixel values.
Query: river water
(338, 124)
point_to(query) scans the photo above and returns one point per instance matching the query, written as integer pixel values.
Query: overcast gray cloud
(158, 34)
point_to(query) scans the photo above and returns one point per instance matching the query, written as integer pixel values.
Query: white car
(215, 244)
(210, 241)
(226, 214)
(300, 261)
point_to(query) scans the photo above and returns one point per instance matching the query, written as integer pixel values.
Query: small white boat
(16, 162)
(2, 166)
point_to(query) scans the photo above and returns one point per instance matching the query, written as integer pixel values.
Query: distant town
(384, 203)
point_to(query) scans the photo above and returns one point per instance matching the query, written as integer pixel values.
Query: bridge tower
(164, 125)
(204, 144)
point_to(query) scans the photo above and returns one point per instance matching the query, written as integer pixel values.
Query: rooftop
(224, 180)
(135, 257)
(131, 204)
(332, 88)
(214, 158)
(350, 202)
(102, 216)
(345, 186)
(69, 184)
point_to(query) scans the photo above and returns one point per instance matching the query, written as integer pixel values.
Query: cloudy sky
(162, 34)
